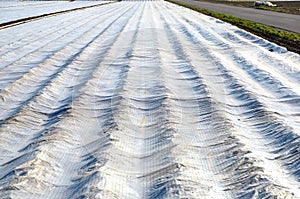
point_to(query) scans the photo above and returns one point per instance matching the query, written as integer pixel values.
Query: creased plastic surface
(146, 100)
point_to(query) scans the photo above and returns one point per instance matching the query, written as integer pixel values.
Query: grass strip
(284, 38)
(276, 9)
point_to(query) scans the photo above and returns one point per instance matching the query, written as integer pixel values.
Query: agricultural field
(15, 10)
(144, 99)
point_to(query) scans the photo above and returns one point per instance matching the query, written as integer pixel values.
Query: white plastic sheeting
(146, 100)
(15, 10)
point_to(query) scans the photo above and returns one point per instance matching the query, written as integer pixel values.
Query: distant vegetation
(284, 38)
(291, 7)
(268, 8)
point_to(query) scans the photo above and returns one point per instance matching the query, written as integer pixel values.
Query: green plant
(288, 39)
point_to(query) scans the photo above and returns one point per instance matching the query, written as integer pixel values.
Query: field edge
(284, 38)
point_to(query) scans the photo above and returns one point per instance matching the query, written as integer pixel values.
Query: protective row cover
(146, 100)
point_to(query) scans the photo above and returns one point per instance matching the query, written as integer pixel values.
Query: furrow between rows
(218, 84)
(15, 96)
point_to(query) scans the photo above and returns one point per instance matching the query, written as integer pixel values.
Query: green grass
(288, 39)
(268, 8)
(284, 9)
